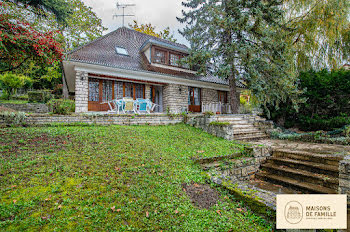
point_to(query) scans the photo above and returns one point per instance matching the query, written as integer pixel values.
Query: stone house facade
(127, 63)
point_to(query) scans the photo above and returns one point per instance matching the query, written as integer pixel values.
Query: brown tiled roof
(102, 52)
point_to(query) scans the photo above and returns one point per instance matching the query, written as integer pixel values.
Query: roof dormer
(165, 55)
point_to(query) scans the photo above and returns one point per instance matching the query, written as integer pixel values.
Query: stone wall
(209, 96)
(34, 120)
(147, 92)
(204, 123)
(344, 177)
(175, 98)
(28, 107)
(233, 169)
(81, 92)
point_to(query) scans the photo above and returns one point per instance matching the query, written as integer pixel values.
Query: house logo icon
(293, 212)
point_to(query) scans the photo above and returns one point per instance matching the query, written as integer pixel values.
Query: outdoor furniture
(142, 106)
(129, 105)
(151, 105)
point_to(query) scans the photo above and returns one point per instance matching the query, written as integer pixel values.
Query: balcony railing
(222, 108)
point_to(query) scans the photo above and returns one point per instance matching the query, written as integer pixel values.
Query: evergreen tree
(241, 40)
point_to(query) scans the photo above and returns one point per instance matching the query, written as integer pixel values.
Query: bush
(208, 113)
(327, 106)
(245, 107)
(10, 82)
(13, 118)
(42, 96)
(61, 106)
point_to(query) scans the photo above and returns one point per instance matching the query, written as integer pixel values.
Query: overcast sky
(160, 13)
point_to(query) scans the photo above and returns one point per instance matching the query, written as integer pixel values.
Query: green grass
(14, 101)
(99, 178)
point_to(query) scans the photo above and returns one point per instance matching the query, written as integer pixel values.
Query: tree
(82, 26)
(42, 8)
(241, 40)
(20, 41)
(319, 33)
(10, 82)
(151, 30)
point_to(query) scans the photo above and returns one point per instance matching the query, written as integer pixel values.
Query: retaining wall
(101, 119)
(27, 107)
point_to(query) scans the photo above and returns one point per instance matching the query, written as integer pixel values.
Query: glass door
(194, 99)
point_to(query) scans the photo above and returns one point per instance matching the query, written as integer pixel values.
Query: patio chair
(120, 105)
(115, 106)
(142, 106)
(129, 105)
(151, 105)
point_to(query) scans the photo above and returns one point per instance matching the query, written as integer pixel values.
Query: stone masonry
(344, 177)
(175, 98)
(81, 92)
(147, 91)
(209, 96)
(28, 107)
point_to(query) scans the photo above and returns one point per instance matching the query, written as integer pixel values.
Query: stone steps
(303, 170)
(291, 182)
(243, 127)
(237, 131)
(257, 136)
(308, 156)
(302, 175)
(330, 170)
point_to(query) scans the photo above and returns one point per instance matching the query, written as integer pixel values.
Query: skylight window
(121, 51)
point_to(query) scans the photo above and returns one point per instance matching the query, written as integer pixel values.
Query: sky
(160, 13)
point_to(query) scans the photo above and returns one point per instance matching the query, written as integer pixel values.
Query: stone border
(230, 168)
(27, 107)
(45, 119)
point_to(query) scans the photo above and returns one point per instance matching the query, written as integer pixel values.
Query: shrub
(245, 107)
(208, 113)
(327, 106)
(215, 123)
(61, 106)
(42, 96)
(10, 82)
(13, 118)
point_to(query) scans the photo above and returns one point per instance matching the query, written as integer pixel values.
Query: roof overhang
(71, 67)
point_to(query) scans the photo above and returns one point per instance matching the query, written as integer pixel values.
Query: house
(127, 63)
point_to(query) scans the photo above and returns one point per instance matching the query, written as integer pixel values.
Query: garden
(323, 117)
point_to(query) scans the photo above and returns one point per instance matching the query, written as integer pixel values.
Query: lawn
(118, 178)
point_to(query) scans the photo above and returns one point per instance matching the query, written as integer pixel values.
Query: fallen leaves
(115, 210)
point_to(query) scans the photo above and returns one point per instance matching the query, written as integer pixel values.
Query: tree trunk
(227, 40)
(65, 93)
(233, 96)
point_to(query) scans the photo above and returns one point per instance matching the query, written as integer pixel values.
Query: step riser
(306, 167)
(303, 178)
(305, 158)
(298, 188)
(250, 138)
